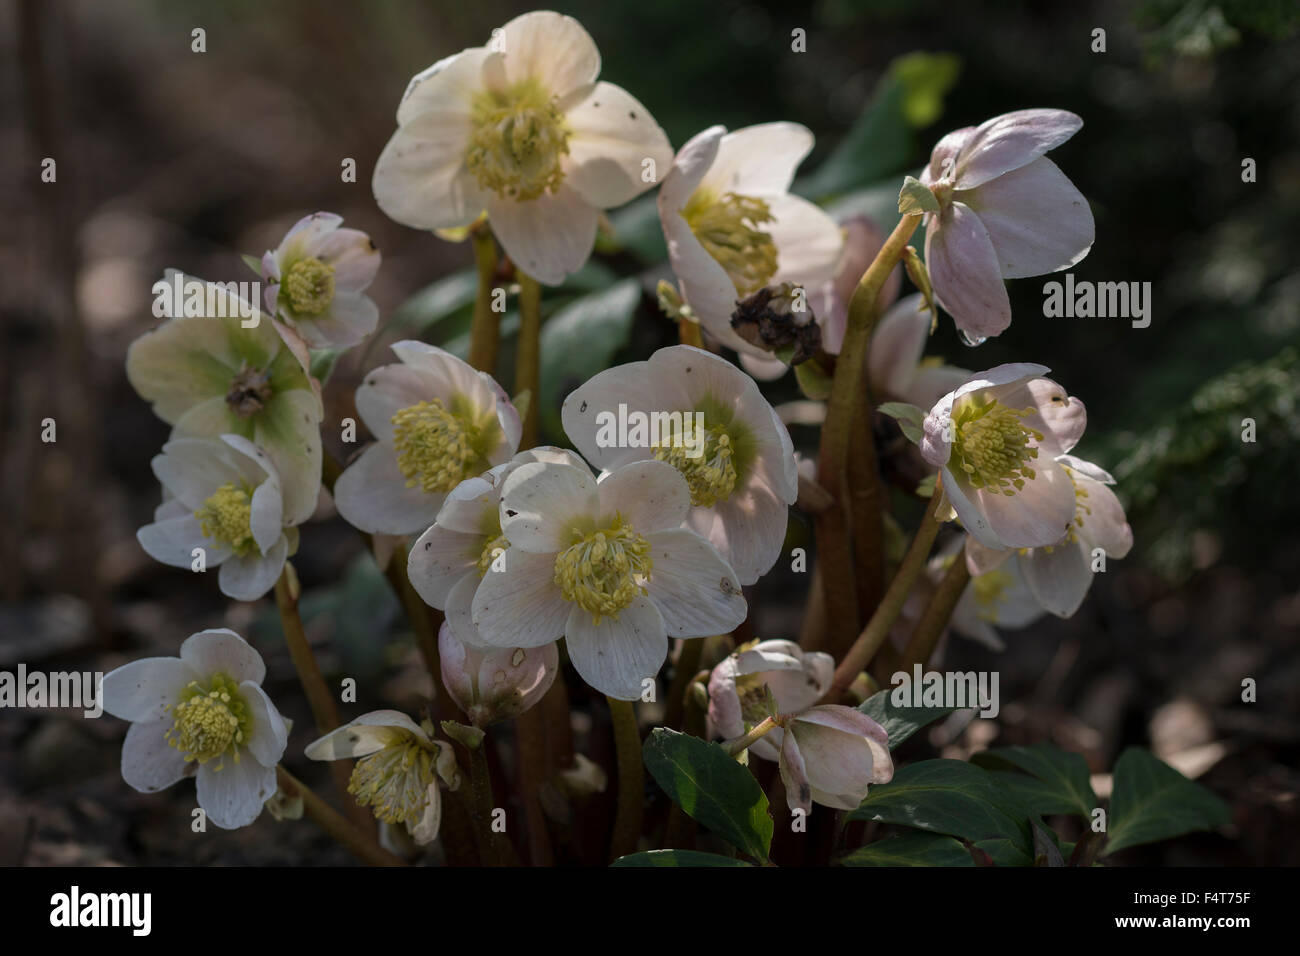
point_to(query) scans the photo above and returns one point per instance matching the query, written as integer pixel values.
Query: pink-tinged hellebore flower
(315, 281)
(1005, 212)
(895, 365)
(203, 714)
(832, 754)
(398, 771)
(449, 560)
(224, 498)
(995, 597)
(995, 440)
(437, 421)
(706, 418)
(609, 567)
(733, 226)
(522, 129)
(746, 686)
(1058, 575)
(495, 685)
(208, 372)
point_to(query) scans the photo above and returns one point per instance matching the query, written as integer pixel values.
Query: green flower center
(249, 391)
(710, 471)
(604, 570)
(990, 590)
(727, 227)
(494, 545)
(226, 517)
(992, 446)
(435, 447)
(394, 782)
(210, 721)
(518, 139)
(309, 286)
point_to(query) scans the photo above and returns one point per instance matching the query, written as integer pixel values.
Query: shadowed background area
(168, 157)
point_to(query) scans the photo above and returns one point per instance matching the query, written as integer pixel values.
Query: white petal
(548, 237)
(689, 168)
(459, 610)
(139, 691)
(1037, 515)
(540, 502)
(594, 406)
(612, 135)
(1011, 141)
(1105, 525)
(520, 606)
(695, 590)
(965, 272)
(353, 256)
(439, 559)
(247, 579)
(266, 514)
(172, 542)
(943, 158)
(421, 179)
(551, 48)
(386, 391)
(794, 775)
(808, 242)
(471, 507)
(222, 651)
(897, 346)
(426, 830)
(748, 529)
(149, 763)
(368, 734)
(193, 468)
(270, 733)
(350, 318)
(307, 234)
(1059, 579)
(233, 796)
(1061, 417)
(450, 84)
(651, 495)
(617, 655)
(759, 160)
(838, 764)
(1036, 218)
(372, 495)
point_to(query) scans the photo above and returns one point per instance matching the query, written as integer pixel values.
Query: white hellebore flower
(733, 226)
(746, 686)
(1058, 575)
(997, 596)
(895, 365)
(202, 714)
(465, 542)
(438, 422)
(995, 440)
(609, 567)
(707, 419)
(832, 754)
(522, 129)
(315, 281)
(1006, 211)
(495, 685)
(398, 771)
(224, 498)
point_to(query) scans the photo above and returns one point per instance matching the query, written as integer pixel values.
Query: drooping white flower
(995, 440)
(733, 226)
(224, 498)
(746, 685)
(207, 374)
(1006, 211)
(739, 467)
(997, 596)
(498, 684)
(522, 129)
(398, 771)
(203, 714)
(437, 421)
(895, 365)
(315, 281)
(455, 552)
(1058, 575)
(832, 755)
(609, 567)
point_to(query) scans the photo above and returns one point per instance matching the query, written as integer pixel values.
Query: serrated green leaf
(677, 858)
(911, 848)
(1152, 801)
(712, 788)
(900, 722)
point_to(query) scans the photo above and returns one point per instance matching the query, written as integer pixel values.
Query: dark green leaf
(912, 848)
(712, 788)
(1153, 801)
(676, 858)
(900, 722)
(1065, 779)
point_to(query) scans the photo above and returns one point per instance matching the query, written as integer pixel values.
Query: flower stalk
(758, 732)
(528, 354)
(485, 332)
(631, 778)
(354, 840)
(928, 630)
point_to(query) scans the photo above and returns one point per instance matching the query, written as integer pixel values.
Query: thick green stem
(528, 354)
(866, 507)
(847, 392)
(935, 619)
(891, 605)
(631, 778)
(758, 732)
(493, 853)
(315, 809)
(485, 332)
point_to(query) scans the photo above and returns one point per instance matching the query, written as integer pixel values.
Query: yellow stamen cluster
(394, 782)
(727, 228)
(990, 590)
(226, 518)
(991, 446)
(434, 446)
(711, 474)
(1081, 509)
(602, 572)
(493, 545)
(518, 139)
(309, 286)
(210, 721)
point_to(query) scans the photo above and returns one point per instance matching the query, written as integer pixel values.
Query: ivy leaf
(1059, 781)
(1153, 801)
(712, 788)
(900, 722)
(911, 848)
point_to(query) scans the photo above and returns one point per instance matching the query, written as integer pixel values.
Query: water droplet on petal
(968, 339)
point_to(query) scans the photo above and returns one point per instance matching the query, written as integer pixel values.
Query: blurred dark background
(171, 158)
